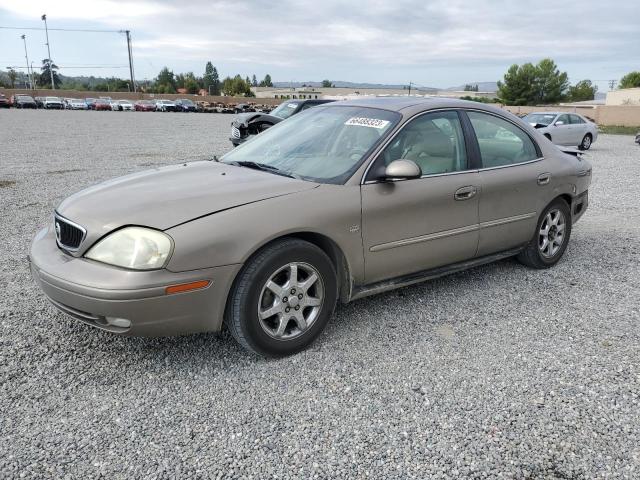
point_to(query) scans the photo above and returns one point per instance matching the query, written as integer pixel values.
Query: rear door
(418, 224)
(579, 129)
(513, 179)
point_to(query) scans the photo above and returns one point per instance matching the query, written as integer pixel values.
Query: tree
(630, 80)
(581, 91)
(552, 85)
(327, 84)
(236, 87)
(165, 82)
(530, 84)
(267, 81)
(207, 79)
(13, 75)
(215, 84)
(45, 77)
(254, 81)
(471, 88)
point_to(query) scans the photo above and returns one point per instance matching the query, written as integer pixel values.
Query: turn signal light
(185, 287)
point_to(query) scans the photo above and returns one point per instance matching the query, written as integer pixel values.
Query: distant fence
(140, 96)
(623, 115)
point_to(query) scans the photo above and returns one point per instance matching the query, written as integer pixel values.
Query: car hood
(244, 119)
(165, 197)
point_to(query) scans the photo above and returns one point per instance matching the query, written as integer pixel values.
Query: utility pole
(26, 56)
(410, 88)
(46, 29)
(612, 84)
(130, 51)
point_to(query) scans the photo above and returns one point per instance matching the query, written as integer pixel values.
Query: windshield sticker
(367, 122)
(291, 105)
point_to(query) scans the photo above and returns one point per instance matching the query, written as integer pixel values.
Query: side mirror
(559, 122)
(402, 170)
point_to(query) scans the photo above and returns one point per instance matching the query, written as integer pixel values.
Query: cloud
(341, 38)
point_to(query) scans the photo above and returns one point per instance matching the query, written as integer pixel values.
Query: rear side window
(564, 119)
(501, 143)
(575, 119)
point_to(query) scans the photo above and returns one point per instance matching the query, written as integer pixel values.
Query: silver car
(561, 128)
(341, 201)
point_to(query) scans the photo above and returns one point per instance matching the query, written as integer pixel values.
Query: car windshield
(284, 110)
(321, 144)
(187, 102)
(540, 118)
(26, 98)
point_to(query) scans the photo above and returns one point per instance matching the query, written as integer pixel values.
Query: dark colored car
(4, 102)
(23, 101)
(144, 106)
(248, 124)
(244, 108)
(185, 105)
(638, 138)
(91, 103)
(39, 102)
(101, 104)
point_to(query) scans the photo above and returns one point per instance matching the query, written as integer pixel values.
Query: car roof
(412, 105)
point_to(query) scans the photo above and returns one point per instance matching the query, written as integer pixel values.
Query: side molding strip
(450, 233)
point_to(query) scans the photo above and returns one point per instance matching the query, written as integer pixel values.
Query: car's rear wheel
(586, 142)
(551, 237)
(282, 299)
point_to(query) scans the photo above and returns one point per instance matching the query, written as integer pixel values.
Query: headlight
(137, 248)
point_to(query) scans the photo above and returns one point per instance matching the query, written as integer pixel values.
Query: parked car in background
(4, 101)
(102, 104)
(165, 106)
(638, 138)
(243, 108)
(53, 103)
(564, 128)
(122, 105)
(271, 236)
(185, 105)
(39, 102)
(77, 104)
(247, 124)
(91, 103)
(22, 101)
(144, 106)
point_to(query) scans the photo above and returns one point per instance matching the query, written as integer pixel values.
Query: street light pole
(26, 56)
(53, 85)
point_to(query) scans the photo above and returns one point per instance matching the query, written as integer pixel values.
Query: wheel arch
(328, 246)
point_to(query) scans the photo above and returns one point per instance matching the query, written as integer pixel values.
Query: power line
(64, 29)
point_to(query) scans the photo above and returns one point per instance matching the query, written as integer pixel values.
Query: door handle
(465, 193)
(544, 178)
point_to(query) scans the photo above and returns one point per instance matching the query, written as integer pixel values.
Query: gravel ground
(499, 371)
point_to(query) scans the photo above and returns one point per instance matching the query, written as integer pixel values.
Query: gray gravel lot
(499, 371)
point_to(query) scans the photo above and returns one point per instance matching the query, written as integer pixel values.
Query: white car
(122, 105)
(53, 103)
(563, 128)
(77, 104)
(165, 106)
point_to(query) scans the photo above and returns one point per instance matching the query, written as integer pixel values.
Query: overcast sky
(432, 43)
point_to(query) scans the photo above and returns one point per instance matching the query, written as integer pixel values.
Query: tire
(281, 334)
(539, 254)
(586, 142)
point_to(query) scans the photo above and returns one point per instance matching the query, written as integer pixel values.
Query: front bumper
(97, 294)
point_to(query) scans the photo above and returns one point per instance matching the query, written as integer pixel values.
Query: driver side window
(434, 141)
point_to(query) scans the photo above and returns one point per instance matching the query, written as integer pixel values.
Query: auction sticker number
(367, 122)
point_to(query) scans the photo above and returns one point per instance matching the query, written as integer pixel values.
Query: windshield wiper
(264, 167)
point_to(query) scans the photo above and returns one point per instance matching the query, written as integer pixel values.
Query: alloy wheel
(552, 233)
(290, 301)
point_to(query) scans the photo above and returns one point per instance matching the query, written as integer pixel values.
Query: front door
(414, 225)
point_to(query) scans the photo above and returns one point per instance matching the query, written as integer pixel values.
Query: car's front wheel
(551, 237)
(282, 299)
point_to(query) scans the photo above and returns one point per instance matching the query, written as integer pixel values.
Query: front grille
(235, 133)
(68, 234)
